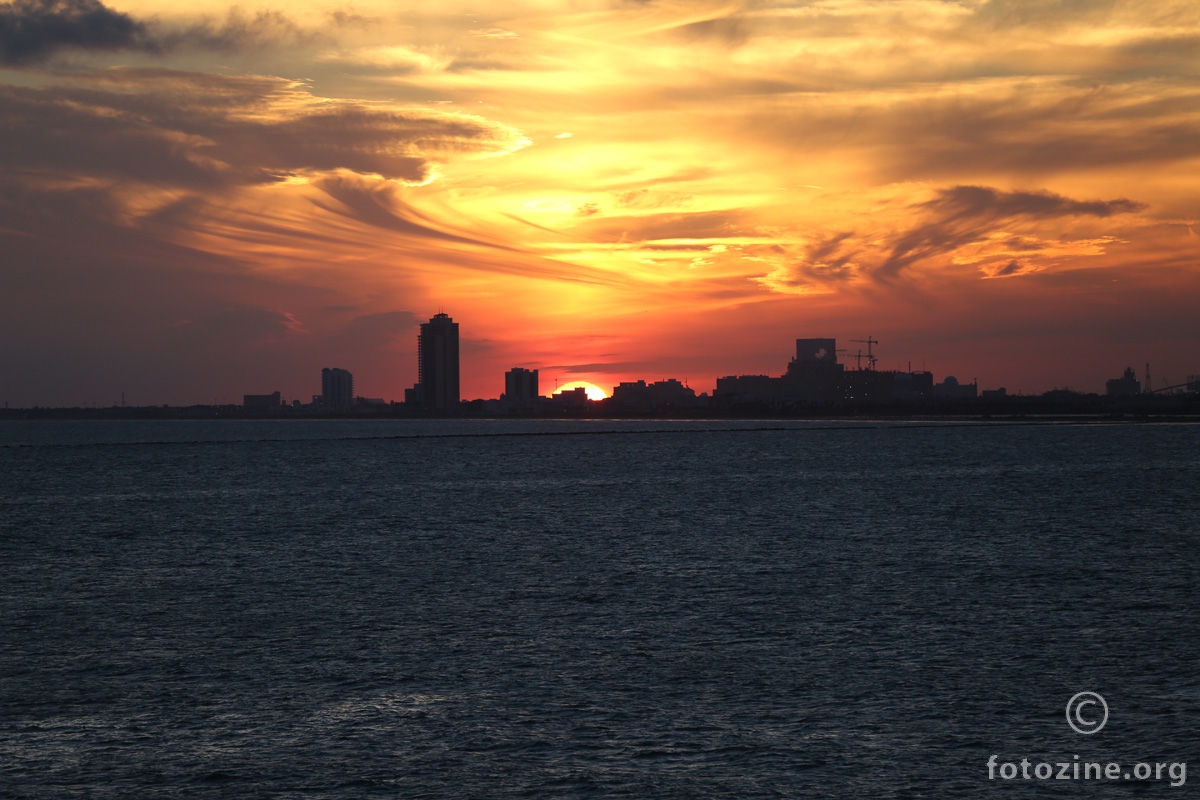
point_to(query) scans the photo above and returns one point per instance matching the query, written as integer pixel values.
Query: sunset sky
(201, 203)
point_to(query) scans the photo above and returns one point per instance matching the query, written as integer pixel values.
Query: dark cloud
(63, 133)
(32, 30)
(927, 241)
(959, 202)
(172, 128)
(828, 247)
(603, 367)
(965, 214)
(831, 259)
(956, 217)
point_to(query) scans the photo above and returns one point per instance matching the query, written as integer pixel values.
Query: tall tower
(437, 365)
(337, 388)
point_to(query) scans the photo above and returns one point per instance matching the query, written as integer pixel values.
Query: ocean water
(547, 609)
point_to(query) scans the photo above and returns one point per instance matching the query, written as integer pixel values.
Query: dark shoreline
(1184, 408)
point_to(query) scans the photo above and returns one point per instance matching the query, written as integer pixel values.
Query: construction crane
(870, 354)
(1166, 388)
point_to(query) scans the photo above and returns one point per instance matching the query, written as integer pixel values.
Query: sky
(200, 200)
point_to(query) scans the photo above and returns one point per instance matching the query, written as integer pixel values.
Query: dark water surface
(373, 609)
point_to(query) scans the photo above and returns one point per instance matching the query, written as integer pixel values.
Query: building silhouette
(262, 401)
(660, 395)
(951, 389)
(570, 399)
(437, 367)
(521, 388)
(337, 388)
(813, 375)
(816, 376)
(1125, 386)
(634, 395)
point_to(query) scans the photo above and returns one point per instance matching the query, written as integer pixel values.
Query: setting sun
(594, 392)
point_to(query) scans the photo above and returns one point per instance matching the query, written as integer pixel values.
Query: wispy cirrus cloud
(996, 233)
(962, 215)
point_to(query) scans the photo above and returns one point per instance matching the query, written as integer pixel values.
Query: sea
(594, 609)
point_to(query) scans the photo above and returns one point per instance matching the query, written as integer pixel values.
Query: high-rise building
(437, 366)
(337, 388)
(521, 388)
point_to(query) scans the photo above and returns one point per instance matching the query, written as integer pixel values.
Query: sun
(594, 392)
